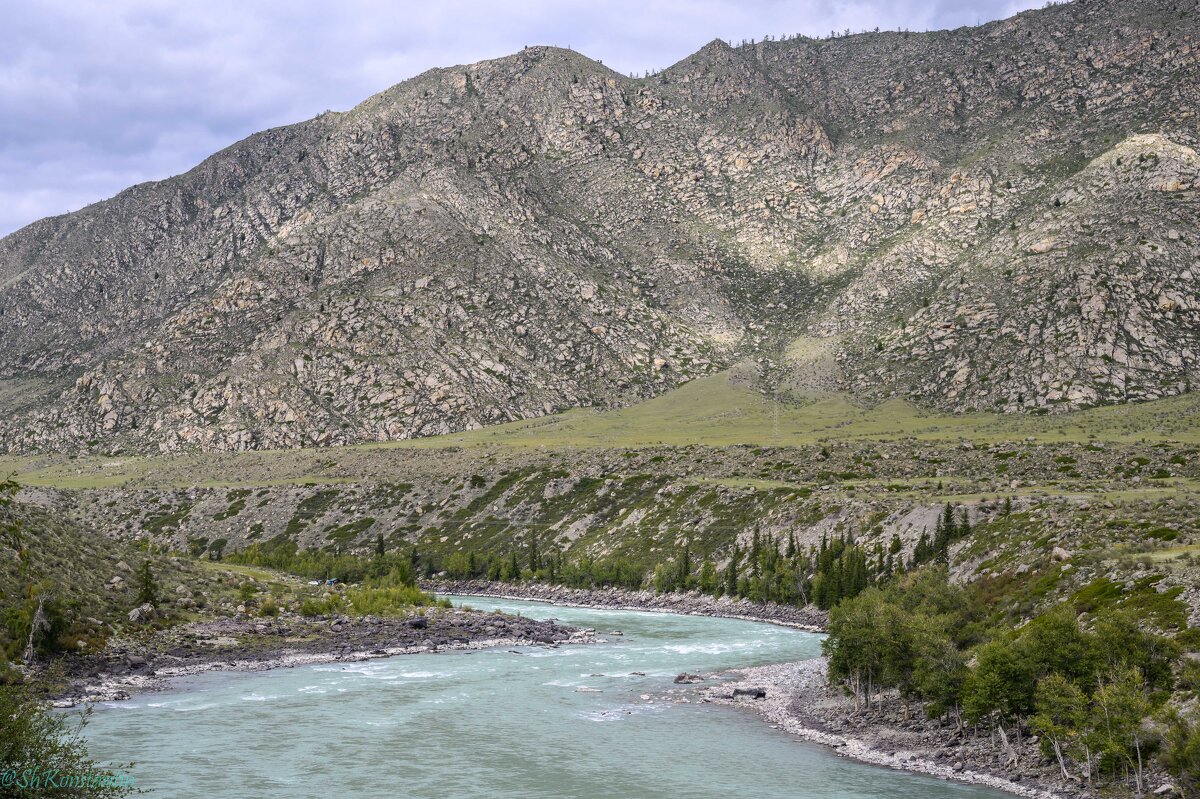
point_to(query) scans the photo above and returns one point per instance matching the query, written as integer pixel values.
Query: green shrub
(1182, 750)
(36, 738)
(18, 620)
(389, 601)
(330, 606)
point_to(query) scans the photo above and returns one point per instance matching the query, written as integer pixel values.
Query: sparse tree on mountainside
(147, 586)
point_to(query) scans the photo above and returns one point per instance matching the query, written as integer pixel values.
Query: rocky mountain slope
(1048, 519)
(1002, 217)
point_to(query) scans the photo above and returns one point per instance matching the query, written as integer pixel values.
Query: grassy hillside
(711, 463)
(717, 411)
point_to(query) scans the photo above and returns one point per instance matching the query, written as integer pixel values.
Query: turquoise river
(494, 723)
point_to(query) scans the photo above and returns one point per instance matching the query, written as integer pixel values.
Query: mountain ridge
(502, 240)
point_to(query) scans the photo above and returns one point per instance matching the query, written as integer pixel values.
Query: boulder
(688, 679)
(750, 693)
(143, 614)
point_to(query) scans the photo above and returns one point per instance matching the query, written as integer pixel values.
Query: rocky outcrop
(1081, 302)
(999, 217)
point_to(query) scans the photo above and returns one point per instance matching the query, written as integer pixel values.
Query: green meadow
(713, 411)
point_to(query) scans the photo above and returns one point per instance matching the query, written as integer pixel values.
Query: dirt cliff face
(1002, 217)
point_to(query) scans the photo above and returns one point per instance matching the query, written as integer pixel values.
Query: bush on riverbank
(39, 743)
(382, 584)
(372, 600)
(390, 601)
(1100, 694)
(320, 564)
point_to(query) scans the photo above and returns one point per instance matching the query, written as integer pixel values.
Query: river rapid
(501, 724)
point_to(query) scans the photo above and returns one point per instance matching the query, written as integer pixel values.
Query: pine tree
(755, 553)
(683, 567)
(708, 578)
(820, 591)
(731, 572)
(535, 559)
(922, 550)
(146, 584)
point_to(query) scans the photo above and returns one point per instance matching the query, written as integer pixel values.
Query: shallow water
(494, 724)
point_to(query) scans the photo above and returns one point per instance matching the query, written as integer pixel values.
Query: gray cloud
(95, 97)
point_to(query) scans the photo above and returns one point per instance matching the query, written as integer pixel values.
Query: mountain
(994, 218)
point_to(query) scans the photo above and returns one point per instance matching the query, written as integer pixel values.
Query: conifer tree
(535, 558)
(146, 584)
(731, 572)
(755, 553)
(708, 578)
(683, 566)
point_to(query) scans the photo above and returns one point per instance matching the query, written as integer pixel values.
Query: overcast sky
(97, 96)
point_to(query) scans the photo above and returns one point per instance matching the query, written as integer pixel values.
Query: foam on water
(495, 725)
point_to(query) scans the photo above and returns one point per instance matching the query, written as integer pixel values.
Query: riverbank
(149, 660)
(688, 604)
(800, 700)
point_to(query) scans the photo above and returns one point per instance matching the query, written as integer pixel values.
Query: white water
(494, 724)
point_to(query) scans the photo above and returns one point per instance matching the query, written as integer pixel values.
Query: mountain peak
(502, 240)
